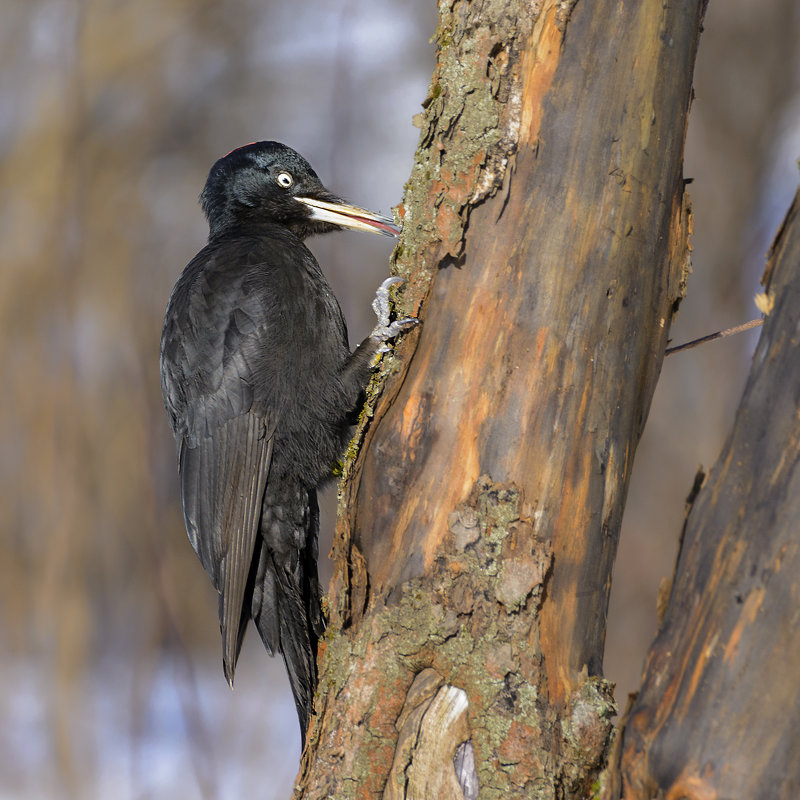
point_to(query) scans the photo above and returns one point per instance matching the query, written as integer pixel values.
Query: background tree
(716, 713)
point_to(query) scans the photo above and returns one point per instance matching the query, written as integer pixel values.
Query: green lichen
(450, 620)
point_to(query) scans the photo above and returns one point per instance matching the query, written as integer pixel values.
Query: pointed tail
(286, 598)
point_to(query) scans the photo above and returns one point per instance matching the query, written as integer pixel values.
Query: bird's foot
(385, 329)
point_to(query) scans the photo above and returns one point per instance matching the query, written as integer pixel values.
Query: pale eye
(285, 179)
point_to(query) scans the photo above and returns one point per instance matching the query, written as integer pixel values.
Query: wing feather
(223, 478)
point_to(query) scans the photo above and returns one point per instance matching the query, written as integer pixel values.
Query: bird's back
(253, 325)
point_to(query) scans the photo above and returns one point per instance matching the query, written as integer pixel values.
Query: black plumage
(259, 385)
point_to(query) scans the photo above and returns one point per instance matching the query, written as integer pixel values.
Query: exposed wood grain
(717, 715)
(431, 726)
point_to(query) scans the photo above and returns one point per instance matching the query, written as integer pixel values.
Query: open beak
(347, 216)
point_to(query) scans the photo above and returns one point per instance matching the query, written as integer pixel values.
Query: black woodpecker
(260, 386)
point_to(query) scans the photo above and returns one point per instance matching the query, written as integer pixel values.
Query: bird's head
(270, 182)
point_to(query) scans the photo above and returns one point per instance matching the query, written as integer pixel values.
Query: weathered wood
(546, 243)
(719, 710)
(431, 726)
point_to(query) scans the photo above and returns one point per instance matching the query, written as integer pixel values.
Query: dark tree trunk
(719, 710)
(546, 249)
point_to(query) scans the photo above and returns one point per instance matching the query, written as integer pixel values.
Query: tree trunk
(546, 248)
(718, 712)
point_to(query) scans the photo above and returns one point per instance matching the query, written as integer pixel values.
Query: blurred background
(111, 113)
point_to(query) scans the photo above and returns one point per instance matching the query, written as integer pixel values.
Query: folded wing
(223, 478)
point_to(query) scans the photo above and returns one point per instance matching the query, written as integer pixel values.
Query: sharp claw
(400, 325)
(391, 281)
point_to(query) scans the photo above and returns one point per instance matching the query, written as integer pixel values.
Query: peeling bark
(717, 715)
(546, 249)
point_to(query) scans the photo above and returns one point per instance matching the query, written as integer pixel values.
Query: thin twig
(754, 323)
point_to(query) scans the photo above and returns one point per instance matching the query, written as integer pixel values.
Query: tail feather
(298, 648)
(313, 592)
(286, 597)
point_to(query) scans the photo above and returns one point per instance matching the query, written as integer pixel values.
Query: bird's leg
(385, 329)
(355, 372)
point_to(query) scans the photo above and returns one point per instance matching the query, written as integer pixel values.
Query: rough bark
(718, 712)
(546, 248)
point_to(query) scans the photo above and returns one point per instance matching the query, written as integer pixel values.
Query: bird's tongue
(390, 229)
